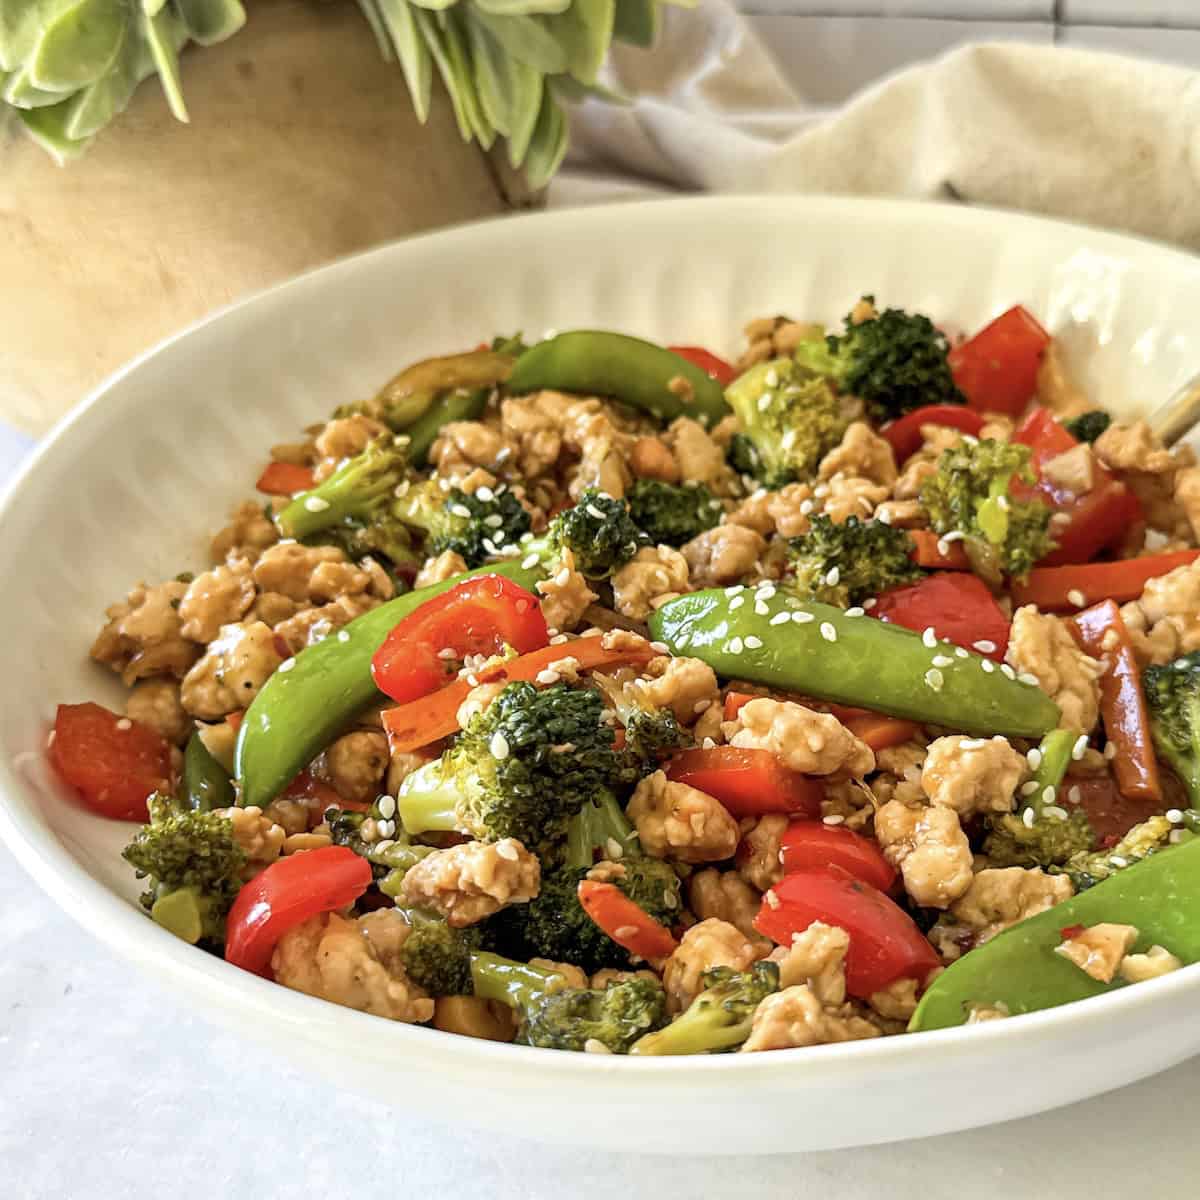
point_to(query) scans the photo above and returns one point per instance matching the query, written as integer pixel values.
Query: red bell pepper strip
(1101, 632)
(478, 616)
(930, 552)
(708, 362)
(956, 605)
(997, 369)
(1095, 520)
(627, 923)
(880, 732)
(904, 434)
(747, 782)
(113, 763)
(1061, 589)
(287, 893)
(1110, 815)
(285, 479)
(806, 844)
(885, 943)
(735, 702)
(416, 724)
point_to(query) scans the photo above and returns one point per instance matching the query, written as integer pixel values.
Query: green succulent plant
(68, 67)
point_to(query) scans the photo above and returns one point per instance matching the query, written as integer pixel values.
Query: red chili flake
(1071, 931)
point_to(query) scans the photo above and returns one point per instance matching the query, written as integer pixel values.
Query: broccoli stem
(180, 912)
(1055, 750)
(516, 984)
(427, 802)
(594, 826)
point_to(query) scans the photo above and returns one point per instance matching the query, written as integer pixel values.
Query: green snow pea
(302, 708)
(628, 369)
(1019, 969)
(769, 636)
(459, 405)
(206, 784)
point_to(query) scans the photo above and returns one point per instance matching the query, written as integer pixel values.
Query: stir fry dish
(598, 696)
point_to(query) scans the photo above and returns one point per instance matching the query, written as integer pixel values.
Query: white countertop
(110, 1087)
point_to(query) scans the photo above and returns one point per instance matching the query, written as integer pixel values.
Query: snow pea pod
(206, 784)
(304, 706)
(460, 405)
(1020, 970)
(628, 369)
(769, 636)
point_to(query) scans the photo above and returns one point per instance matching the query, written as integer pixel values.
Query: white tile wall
(828, 59)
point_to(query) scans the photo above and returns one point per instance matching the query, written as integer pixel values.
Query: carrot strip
(627, 923)
(284, 479)
(1061, 589)
(881, 732)
(928, 552)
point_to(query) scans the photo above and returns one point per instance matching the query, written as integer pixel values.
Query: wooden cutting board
(302, 147)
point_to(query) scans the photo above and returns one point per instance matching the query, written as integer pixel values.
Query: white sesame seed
(707, 744)
(941, 660)
(955, 535)
(988, 666)
(834, 574)
(984, 646)
(1028, 679)
(387, 807)
(870, 604)
(529, 562)
(1076, 597)
(386, 844)
(593, 511)
(734, 645)
(493, 520)
(1173, 815)
(1033, 758)
(53, 734)
(386, 828)
(971, 743)
(833, 819)
(1118, 861)
(780, 618)
(771, 899)
(1055, 813)
(1081, 744)
(613, 848)
(766, 591)
(343, 636)
(943, 546)
(558, 639)
(595, 1046)
(624, 932)
(961, 653)
(315, 504)
(498, 745)
(806, 507)
(771, 378)
(1027, 789)
(670, 899)
(484, 493)
(1028, 817)
(1007, 671)
(287, 664)
(660, 647)
(856, 611)
(883, 517)
(802, 618)
(828, 632)
(753, 643)
(124, 723)
(736, 603)
(733, 591)
(935, 679)
(1074, 795)
(760, 609)
(547, 677)
(459, 510)
(1110, 750)
(764, 402)
(447, 653)
(1049, 794)
(701, 706)
(929, 637)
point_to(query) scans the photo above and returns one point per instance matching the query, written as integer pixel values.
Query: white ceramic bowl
(132, 483)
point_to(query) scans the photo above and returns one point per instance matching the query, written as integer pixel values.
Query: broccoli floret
(554, 925)
(970, 494)
(473, 526)
(1086, 869)
(1088, 426)
(436, 956)
(194, 867)
(389, 857)
(557, 1017)
(1038, 835)
(355, 507)
(598, 531)
(1173, 697)
(720, 1017)
(847, 563)
(894, 361)
(651, 732)
(522, 768)
(790, 420)
(671, 514)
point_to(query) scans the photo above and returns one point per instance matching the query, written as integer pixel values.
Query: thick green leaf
(20, 92)
(585, 31)
(163, 35)
(492, 76)
(211, 21)
(80, 44)
(95, 106)
(371, 12)
(523, 8)
(549, 143)
(636, 22)
(569, 90)
(152, 8)
(414, 55)
(21, 24)
(527, 39)
(431, 31)
(434, 5)
(527, 105)
(459, 55)
(45, 126)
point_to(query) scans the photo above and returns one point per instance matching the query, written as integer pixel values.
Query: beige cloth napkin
(1101, 138)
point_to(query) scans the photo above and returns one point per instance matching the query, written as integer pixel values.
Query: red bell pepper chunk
(1095, 520)
(1061, 589)
(930, 552)
(708, 362)
(880, 732)
(287, 893)
(885, 943)
(1110, 814)
(807, 844)
(113, 763)
(956, 605)
(747, 782)
(735, 702)
(416, 724)
(904, 434)
(626, 922)
(285, 479)
(997, 369)
(478, 616)
(1101, 632)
